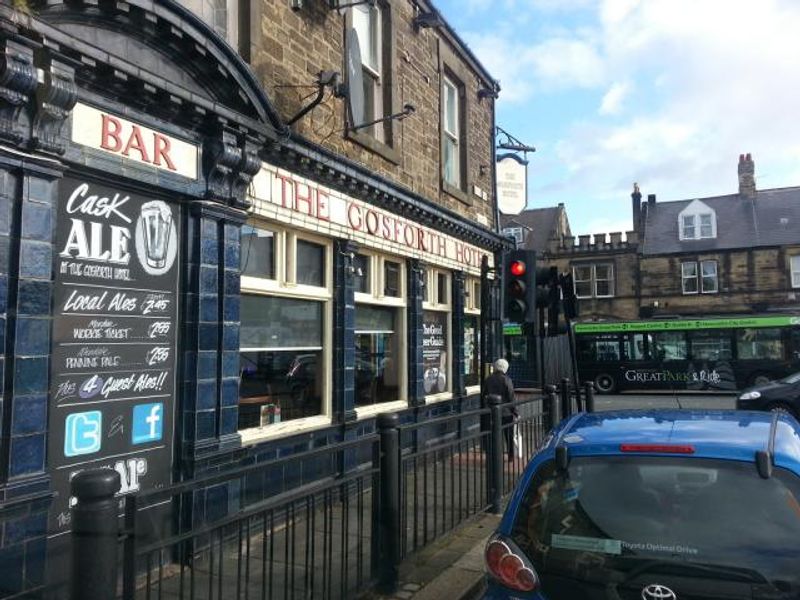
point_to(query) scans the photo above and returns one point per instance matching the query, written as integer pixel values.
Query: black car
(779, 396)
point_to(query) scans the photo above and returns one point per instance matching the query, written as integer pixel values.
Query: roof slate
(772, 218)
(539, 223)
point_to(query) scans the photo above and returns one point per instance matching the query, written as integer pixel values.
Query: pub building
(191, 279)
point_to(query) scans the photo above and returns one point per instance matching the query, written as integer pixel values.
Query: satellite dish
(355, 83)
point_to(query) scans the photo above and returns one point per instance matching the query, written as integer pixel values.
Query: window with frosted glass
(257, 253)
(310, 263)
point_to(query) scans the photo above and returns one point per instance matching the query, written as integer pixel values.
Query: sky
(666, 93)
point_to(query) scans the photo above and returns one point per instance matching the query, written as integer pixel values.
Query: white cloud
(613, 98)
(679, 88)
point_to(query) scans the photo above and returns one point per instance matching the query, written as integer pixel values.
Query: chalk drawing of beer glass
(157, 225)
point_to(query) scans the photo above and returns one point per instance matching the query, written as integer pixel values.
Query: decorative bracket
(17, 83)
(230, 166)
(55, 98)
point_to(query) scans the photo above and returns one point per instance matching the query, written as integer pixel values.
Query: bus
(720, 354)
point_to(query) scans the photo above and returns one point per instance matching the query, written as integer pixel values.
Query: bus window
(599, 348)
(759, 344)
(714, 344)
(669, 345)
(795, 344)
(634, 347)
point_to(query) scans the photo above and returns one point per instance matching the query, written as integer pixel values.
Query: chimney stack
(636, 199)
(651, 199)
(747, 180)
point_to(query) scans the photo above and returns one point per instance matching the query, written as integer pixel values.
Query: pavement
(451, 567)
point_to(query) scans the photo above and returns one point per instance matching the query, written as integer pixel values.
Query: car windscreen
(610, 518)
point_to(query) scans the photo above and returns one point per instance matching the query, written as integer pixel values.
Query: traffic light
(570, 299)
(520, 286)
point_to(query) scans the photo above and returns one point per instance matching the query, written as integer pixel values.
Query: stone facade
(290, 48)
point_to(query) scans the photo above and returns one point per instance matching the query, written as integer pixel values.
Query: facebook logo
(148, 423)
(83, 432)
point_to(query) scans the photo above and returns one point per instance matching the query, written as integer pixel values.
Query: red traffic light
(517, 268)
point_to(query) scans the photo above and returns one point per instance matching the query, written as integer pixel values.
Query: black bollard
(566, 401)
(589, 387)
(389, 519)
(95, 533)
(551, 400)
(496, 454)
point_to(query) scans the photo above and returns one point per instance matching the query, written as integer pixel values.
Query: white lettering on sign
(102, 131)
(377, 227)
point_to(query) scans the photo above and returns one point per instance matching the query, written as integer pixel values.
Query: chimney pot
(651, 199)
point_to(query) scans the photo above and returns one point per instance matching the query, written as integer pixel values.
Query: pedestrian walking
(500, 384)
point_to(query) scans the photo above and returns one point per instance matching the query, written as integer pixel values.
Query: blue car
(655, 505)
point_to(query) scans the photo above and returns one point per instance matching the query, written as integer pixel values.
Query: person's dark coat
(500, 384)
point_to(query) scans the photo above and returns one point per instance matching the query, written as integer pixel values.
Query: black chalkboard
(112, 393)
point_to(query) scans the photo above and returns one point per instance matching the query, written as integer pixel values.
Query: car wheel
(781, 408)
(605, 383)
(759, 379)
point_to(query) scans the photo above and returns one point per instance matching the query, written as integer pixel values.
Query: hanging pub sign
(114, 331)
(512, 184)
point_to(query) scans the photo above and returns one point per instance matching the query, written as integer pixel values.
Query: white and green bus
(688, 354)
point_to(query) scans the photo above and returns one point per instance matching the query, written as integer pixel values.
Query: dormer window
(697, 222)
(516, 233)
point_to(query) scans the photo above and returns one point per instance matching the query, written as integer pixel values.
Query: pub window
(258, 252)
(472, 338)
(391, 278)
(380, 328)
(310, 263)
(795, 268)
(281, 360)
(285, 331)
(361, 273)
(436, 338)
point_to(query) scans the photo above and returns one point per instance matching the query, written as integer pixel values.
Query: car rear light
(658, 448)
(508, 565)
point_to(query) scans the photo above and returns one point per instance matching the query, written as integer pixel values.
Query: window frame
(387, 48)
(794, 271)
(698, 277)
(516, 233)
(593, 280)
(452, 69)
(375, 297)
(702, 277)
(690, 277)
(691, 226)
(285, 286)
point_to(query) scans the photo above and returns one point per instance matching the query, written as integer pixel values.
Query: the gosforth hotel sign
(289, 198)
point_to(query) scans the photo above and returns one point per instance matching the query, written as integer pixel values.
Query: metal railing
(366, 505)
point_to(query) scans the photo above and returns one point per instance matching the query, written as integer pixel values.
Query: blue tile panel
(416, 390)
(458, 297)
(26, 263)
(344, 350)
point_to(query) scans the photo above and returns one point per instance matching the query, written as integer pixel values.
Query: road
(624, 401)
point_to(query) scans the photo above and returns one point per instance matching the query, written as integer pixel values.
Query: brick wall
(290, 48)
